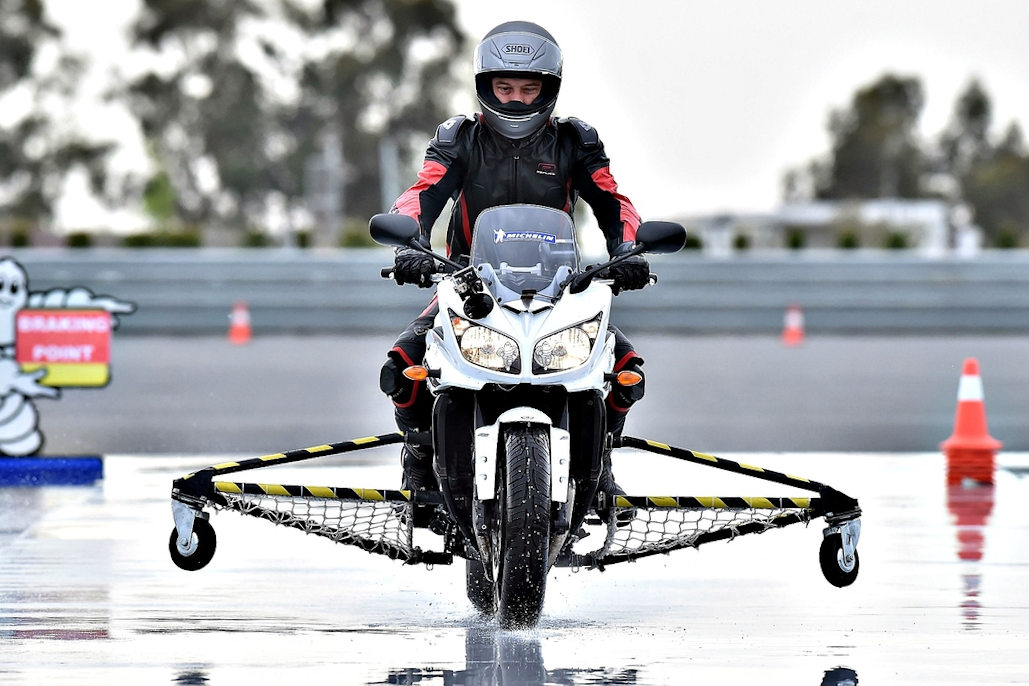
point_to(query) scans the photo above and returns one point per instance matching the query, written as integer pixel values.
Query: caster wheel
(200, 550)
(836, 570)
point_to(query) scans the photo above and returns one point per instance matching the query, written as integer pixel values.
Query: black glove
(631, 273)
(414, 266)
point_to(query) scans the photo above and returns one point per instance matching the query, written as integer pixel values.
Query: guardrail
(191, 292)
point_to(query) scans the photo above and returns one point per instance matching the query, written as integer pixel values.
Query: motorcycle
(519, 361)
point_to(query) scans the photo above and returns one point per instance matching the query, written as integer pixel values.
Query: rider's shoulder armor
(588, 136)
(447, 132)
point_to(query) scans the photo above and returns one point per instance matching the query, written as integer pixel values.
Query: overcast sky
(704, 105)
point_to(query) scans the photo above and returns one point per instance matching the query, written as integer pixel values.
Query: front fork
(184, 516)
(486, 458)
(849, 532)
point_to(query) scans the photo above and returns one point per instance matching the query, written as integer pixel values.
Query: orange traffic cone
(970, 449)
(793, 326)
(239, 324)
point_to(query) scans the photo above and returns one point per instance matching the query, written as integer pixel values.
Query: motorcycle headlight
(566, 349)
(485, 347)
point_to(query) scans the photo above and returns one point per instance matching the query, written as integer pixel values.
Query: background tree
(997, 188)
(38, 80)
(991, 178)
(210, 119)
(396, 84)
(875, 152)
(965, 142)
(260, 87)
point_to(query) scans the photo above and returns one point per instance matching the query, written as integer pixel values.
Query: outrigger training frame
(383, 521)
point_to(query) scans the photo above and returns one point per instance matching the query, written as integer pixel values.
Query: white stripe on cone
(970, 388)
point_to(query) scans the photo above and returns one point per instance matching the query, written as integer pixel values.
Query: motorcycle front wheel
(524, 514)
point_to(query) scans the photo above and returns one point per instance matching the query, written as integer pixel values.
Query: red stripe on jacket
(626, 358)
(409, 203)
(630, 218)
(414, 388)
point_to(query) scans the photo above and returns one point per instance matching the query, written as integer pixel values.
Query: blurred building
(921, 225)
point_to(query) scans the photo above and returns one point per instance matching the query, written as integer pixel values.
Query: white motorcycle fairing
(523, 257)
(527, 327)
(527, 324)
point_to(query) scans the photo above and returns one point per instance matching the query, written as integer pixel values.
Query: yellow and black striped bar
(195, 487)
(715, 503)
(326, 492)
(833, 500)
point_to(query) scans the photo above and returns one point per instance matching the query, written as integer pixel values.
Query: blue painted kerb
(78, 470)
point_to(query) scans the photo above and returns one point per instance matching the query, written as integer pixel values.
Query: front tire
(524, 526)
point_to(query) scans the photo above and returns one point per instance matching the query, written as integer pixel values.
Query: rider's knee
(392, 381)
(624, 397)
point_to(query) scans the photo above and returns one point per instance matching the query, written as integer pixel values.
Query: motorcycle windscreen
(526, 246)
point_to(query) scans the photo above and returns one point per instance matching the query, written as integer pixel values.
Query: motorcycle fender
(487, 440)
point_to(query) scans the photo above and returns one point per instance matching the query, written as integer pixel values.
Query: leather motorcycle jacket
(469, 162)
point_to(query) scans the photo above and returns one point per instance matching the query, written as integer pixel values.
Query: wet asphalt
(88, 594)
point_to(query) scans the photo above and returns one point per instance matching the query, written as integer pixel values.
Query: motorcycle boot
(607, 485)
(412, 410)
(616, 422)
(418, 473)
(619, 401)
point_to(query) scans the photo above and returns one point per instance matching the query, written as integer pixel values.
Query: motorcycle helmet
(517, 49)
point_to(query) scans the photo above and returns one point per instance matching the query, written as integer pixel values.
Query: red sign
(73, 345)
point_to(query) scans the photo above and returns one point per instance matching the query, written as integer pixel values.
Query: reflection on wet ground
(501, 657)
(970, 505)
(88, 595)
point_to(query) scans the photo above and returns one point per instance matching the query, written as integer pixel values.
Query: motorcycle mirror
(397, 230)
(478, 305)
(661, 237)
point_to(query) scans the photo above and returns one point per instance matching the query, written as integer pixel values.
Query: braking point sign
(74, 346)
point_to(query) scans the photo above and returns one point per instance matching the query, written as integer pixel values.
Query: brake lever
(577, 283)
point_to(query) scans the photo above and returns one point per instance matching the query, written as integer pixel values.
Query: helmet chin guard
(518, 49)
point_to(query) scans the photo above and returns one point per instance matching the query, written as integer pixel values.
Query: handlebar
(387, 273)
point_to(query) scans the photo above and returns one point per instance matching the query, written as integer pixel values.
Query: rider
(513, 152)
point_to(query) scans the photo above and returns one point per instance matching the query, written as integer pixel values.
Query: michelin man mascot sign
(48, 340)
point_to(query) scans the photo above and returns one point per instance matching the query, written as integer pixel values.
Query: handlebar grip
(386, 272)
(651, 280)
